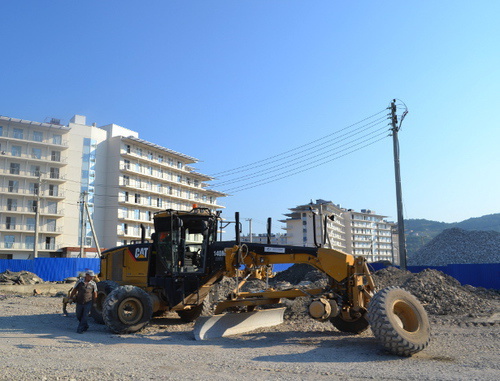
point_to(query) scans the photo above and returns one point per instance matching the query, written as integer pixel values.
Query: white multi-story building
(362, 233)
(51, 174)
(304, 220)
(370, 235)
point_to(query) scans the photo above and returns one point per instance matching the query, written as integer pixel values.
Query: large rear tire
(398, 321)
(127, 309)
(355, 326)
(104, 288)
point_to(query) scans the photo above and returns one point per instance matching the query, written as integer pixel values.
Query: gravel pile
(459, 246)
(440, 294)
(21, 277)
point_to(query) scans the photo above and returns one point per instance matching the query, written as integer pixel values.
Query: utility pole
(82, 224)
(37, 214)
(249, 229)
(399, 198)
(92, 228)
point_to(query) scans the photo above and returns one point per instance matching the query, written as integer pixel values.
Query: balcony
(21, 246)
(20, 228)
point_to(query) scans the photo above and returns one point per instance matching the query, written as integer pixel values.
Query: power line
(299, 147)
(300, 163)
(292, 173)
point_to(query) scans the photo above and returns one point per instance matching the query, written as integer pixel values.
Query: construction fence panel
(51, 269)
(16, 265)
(485, 275)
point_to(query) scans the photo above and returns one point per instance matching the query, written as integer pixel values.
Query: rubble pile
(440, 294)
(21, 277)
(459, 246)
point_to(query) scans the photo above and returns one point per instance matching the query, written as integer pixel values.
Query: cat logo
(141, 252)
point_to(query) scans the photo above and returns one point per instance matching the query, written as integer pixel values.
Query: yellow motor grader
(185, 260)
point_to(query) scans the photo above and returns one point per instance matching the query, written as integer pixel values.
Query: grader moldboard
(185, 260)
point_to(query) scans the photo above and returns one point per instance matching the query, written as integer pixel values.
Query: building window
(52, 207)
(179, 178)
(55, 156)
(125, 196)
(36, 153)
(12, 204)
(126, 180)
(137, 214)
(29, 242)
(125, 228)
(16, 151)
(15, 168)
(54, 173)
(10, 223)
(160, 158)
(18, 133)
(9, 241)
(138, 151)
(150, 155)
(56, 139)
(30, 223)
(34, 187)
(137, 198)
(179, 164)
(32, 205)
(159, 202)
(13, 186)
(126, 164)
(37, 136)
(53, 190)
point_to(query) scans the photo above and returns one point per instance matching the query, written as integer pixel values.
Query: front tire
(398, 321)
(127, 309)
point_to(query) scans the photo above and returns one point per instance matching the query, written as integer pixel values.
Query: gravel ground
(38, 343)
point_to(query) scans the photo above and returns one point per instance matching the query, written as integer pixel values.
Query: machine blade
(235, 323)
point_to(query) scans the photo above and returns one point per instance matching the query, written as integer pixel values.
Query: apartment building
(319, 222)
(55, 180)
(370, 235)
(362, 233)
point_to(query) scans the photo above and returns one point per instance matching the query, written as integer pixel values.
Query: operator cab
(182, 241)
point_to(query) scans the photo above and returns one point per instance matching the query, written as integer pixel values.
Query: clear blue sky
(234, 82)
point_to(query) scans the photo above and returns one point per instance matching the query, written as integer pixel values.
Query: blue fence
(57, 269)
(51, 269)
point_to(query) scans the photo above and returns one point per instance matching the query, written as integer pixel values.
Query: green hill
(421, 231)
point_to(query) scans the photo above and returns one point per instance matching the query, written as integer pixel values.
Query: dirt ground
(38, 343)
